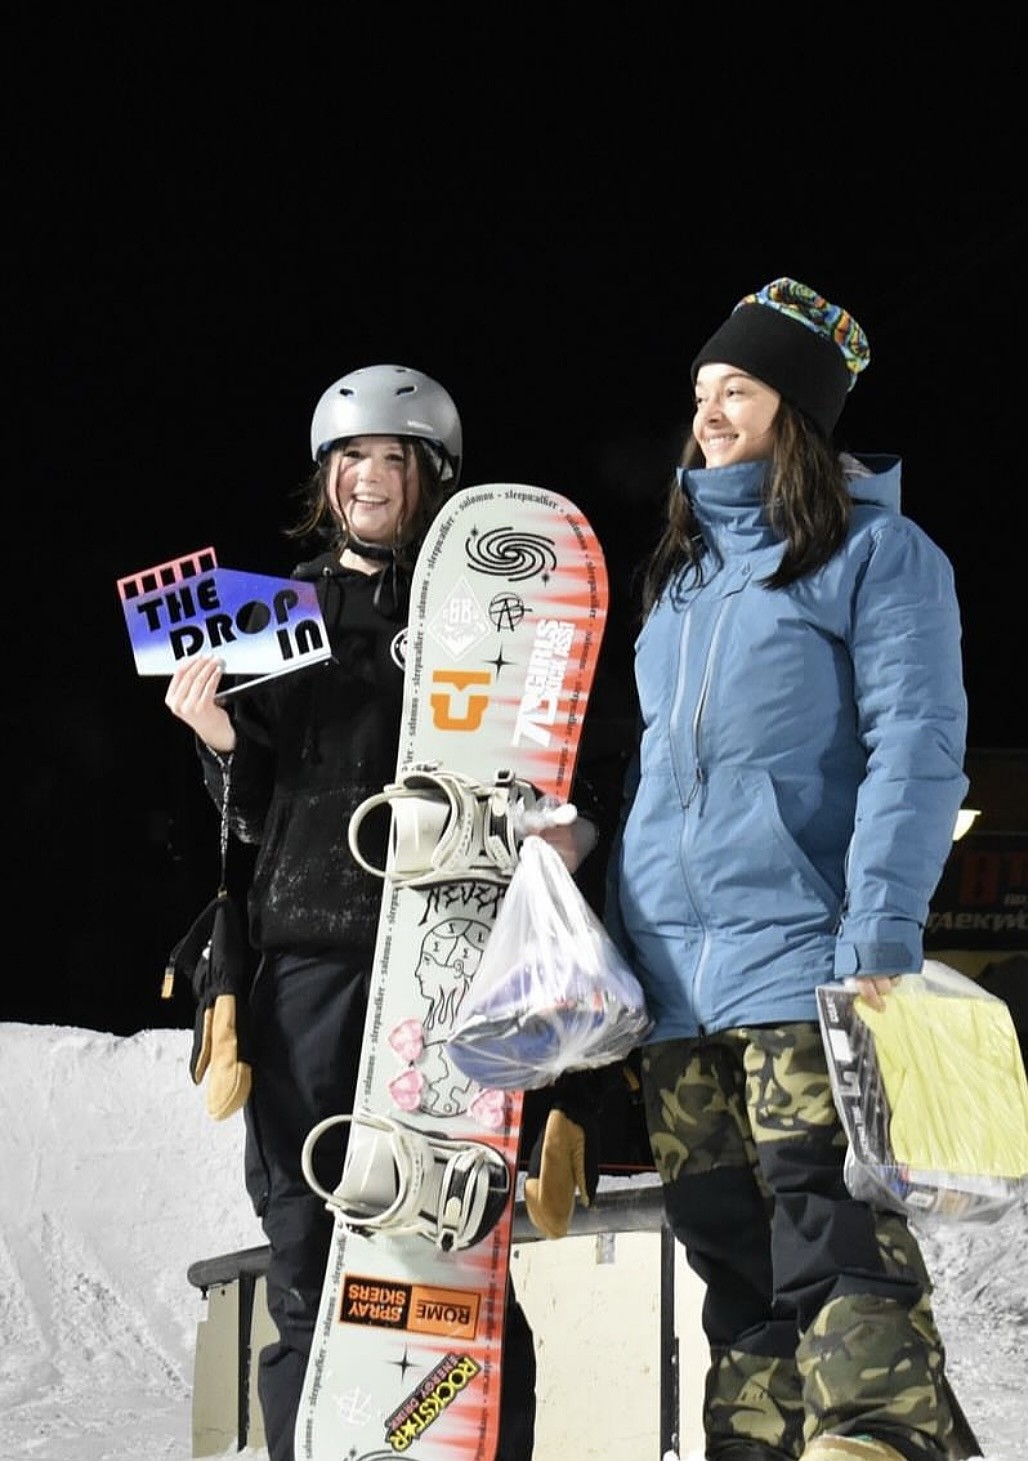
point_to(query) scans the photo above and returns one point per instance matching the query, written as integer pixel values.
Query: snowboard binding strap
(400, 1181)
(446, 827)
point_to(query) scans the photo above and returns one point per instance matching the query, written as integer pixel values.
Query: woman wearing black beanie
(787, 817)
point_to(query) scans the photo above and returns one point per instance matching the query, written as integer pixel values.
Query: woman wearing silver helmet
(296, 755)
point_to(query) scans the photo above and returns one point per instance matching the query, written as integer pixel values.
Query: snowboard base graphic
(508, 607)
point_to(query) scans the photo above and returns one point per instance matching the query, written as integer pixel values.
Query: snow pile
(115, 1180)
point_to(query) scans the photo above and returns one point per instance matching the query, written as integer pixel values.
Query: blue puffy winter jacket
(800, 766)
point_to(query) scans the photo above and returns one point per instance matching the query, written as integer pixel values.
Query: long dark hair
(805, 497)
(319, 524)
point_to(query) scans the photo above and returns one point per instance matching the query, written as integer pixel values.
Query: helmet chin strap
(377, 552)
(387, 593)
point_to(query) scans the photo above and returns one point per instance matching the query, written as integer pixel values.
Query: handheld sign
(256, 624)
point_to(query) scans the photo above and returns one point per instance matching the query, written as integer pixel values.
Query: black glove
(564, 1163)
(213, 956)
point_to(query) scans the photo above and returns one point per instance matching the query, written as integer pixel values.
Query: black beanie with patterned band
(792, 339)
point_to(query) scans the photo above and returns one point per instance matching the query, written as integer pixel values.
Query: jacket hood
(391, 583)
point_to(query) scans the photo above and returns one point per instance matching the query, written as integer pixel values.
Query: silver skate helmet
(390, 400)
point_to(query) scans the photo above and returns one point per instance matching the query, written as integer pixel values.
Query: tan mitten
(556, 1173)
(228, 1076)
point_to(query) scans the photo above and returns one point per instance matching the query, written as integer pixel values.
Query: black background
(212, 214)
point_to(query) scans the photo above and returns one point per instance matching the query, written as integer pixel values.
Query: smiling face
(374, 487)
(734, 416)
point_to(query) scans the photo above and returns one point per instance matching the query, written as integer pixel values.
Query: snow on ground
(114, 1180)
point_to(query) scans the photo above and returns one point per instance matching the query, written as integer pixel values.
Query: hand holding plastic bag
(552, 993)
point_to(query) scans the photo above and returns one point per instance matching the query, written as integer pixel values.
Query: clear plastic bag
(552, 993)
(932, 1094)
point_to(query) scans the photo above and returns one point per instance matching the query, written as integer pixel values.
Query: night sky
(211, 223)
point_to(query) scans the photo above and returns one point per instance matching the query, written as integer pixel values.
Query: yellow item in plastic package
(954, 1079)
(932, 1095)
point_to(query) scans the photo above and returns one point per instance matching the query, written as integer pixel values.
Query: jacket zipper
(698, 786)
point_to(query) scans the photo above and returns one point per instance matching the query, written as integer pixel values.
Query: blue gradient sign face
(189, 606)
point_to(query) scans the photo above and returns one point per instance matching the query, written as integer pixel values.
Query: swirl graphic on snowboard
(509, 554)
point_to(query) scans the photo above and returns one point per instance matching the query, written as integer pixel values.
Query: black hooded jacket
(310, 747)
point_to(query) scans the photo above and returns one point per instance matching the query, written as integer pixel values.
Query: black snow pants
(307, 1019)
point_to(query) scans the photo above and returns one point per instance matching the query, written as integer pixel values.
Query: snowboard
(508, 609)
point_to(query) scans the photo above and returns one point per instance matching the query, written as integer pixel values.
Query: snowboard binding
(448, 828)
(399, 1181)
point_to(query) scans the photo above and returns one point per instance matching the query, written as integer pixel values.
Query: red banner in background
(982, 898)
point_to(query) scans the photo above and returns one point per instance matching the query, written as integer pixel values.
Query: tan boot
(850, 1448)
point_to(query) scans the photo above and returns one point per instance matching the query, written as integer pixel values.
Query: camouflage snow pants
(817, 1306)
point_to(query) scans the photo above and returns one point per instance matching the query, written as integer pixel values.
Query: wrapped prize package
(932, 1093)
(552, 993)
